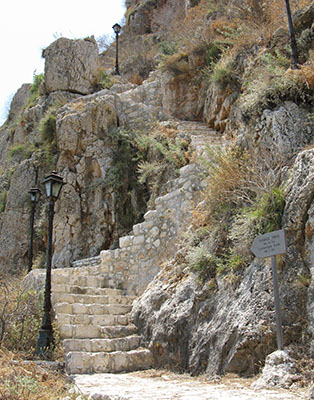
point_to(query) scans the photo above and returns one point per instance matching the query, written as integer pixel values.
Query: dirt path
(164, 385)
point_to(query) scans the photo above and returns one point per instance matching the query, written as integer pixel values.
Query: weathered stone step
(90, 299)
(79, 279)
(102, 345)
(91, 309)
(102, 320)
(86, 362)
(95, 331)
(63, 288)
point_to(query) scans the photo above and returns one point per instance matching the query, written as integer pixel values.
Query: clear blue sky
(28, 26)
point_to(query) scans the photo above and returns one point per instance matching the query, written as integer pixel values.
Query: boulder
(34, 280)
(71, 65)
(279, 371)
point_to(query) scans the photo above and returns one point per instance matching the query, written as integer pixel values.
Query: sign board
(270, 244)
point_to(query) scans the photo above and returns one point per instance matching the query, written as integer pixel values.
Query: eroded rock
(71, 65)
(279, 371)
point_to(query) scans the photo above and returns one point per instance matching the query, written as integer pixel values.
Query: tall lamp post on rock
(34, 193)
(53, 184)
(117, 30)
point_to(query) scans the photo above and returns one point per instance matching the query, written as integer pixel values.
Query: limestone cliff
(209, 308)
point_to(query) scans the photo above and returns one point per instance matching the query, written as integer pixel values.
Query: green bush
(263, 216)
(20, 151)
(37, 82)
(159, 156)
(35, 90)
(47, 127)
(213, 54)
(168, 47)
(105, 80)
(3, 200)
(202, 262)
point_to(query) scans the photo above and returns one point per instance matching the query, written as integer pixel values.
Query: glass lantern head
(53, 184)
(116, 28)
(34, 193)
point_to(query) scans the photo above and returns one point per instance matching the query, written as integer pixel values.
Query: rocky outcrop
(218, 329)
(71, 65)
(19, 100)
(149, 16)
(218, 106)
(299, 221)
(279, 371)
(179, 98)
(283, 132)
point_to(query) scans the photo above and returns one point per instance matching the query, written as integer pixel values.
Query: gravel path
(157, 385)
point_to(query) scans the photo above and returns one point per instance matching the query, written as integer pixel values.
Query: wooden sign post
(270, 245)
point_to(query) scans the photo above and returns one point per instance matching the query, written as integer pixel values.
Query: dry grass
(305, 75)
(20, 380)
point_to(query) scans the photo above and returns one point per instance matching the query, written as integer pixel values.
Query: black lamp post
(294, 49)
(34, 196)
(53, 184)
(117, 30)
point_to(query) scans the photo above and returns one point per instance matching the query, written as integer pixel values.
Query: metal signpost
(270, 245)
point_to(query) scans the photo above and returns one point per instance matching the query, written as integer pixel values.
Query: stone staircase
(92, 301)
(94, 323)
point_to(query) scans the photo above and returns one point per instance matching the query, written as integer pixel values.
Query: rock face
(283, 131)
(299, 219)
(71, 65)
(152, 16)
(213, 330)
(19, 100)
(179, 98)
(218, 106)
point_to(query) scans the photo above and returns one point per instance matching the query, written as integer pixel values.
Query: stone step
(87, 362)
(102, 345)
(91, 309)
(63, 288)
(95, 331)
(101, 320)
(79, 279)
(87, 262)
(90, 299)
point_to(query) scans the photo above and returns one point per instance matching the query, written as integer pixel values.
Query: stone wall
(138, 259)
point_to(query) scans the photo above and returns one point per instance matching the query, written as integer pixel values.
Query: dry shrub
(177, 64)
(20, 313)
(305, 74)
(136, 79)
(20, 380)
(271, 82)
(235, 179)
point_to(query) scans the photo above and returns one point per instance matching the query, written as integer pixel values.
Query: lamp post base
(45, 343)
